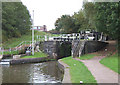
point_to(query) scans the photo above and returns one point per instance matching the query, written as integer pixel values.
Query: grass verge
(36, 55)
(87, 56)
(78, 71)
(28, 37)
(111, 62)
(10, 52)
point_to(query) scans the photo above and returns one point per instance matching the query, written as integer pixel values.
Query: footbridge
(75, 44)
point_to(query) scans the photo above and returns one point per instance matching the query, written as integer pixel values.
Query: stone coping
(65, 67)
(30, 60)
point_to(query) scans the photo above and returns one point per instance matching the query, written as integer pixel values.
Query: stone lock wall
(63, 49)
(93, 46)
(49, 47)
(60, 49)
(83, 47)
(57, 49)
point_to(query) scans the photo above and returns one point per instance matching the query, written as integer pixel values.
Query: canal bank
(31, 60)
(20, 60)
(78, 72)
(46, 72)
(62, 67)
(65, 69)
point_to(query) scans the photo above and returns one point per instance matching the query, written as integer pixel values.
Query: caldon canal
(47, 72)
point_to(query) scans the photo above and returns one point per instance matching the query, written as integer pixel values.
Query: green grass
(111, 62)
(36, 55)
(78, 71)
(16, 41)
(10, 52)
(87, 56)
(0, 53)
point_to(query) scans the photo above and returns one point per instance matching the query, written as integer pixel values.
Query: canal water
(47, 72)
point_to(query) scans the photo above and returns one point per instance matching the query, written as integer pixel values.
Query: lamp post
(33, 34)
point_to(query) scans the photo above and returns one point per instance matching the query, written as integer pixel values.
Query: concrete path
(101, 73)
(67, 77)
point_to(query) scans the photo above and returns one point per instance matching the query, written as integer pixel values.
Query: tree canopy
(99, 16)
(65, 24)
(16, 20)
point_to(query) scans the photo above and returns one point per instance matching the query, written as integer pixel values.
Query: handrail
(19, 46)
(22, 43)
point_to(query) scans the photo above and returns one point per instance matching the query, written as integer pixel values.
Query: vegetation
(36, 55)
(99, 16)
(111, 62)
(16, 41)
(87, 56)
(16, 20)
(28, 37)
(10, 52)
(65, 24)
(78, 71)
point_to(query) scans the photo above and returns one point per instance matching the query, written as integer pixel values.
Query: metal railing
(19, 47)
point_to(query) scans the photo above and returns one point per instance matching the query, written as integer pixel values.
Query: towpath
(101, 73)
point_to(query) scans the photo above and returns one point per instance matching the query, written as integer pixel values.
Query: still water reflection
(47, 72)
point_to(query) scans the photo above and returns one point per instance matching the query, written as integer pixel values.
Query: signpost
(33, 34)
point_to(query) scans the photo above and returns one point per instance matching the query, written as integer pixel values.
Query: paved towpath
(101, 73)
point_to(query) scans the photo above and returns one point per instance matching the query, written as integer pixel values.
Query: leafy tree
(107, 20)
(81, 21)
(100, 16)
(89, 13)
(65, 24)
(15, 20)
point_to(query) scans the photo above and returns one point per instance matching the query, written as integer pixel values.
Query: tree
(107, 20)
(81, 21)
(65, 24)
(15, 20)
(89, 13)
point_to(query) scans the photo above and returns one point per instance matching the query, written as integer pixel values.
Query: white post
(79, 36)
(45, 38)
(33, 34)
(37, 37)
(72, 48)
(73, 36)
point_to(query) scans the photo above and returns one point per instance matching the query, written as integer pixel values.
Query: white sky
(46, 12)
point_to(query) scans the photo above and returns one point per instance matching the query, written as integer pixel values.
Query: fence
(18, 48)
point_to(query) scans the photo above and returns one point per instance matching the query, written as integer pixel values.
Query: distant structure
(41, 28)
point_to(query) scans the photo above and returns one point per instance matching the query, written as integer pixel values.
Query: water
(47, 72)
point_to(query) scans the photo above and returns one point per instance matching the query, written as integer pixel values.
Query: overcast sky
(46, 12)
